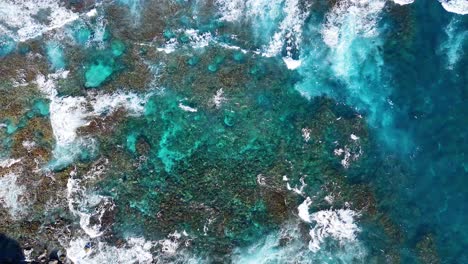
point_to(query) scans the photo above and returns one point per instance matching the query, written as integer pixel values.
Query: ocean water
(214, 131)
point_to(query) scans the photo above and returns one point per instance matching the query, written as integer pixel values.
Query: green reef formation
(169, 132)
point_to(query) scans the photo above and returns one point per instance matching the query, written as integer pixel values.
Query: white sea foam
(91, 206)
(349, 19)
(187, 108)
(82, 250)
(279, 23)
(99, 29)
(67, 114)
(135, 250)
(337, 224)
(12, 195)
(287, 246)
(291, 63)
(85, 204)
(6, 163)
(257, 12)
(231, 10)
(170, 245)
(298, 190)
(348, 155)
(218, 98)
(352, 52)
(196, 40)
(329, 199)
(92, 13)
(306, 134)
(455, 6)
(266, 250)
(28, 145)
(289, 31)
(303, 210)
(351, 34)
(107, 103)
(403, 2)
(18, 16)
(170, 46)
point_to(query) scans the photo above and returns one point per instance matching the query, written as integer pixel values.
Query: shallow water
(285, 131)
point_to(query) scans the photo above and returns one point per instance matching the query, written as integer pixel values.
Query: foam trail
(136, 8)
(351, 34)
(10, 195)
(6, 163)
(55, 55)
(99, 31)
(349, 22)
(337, 224)
(197, 40)
(289, 32)
(107, 103)
(352, 43)
(453, 46)
(262, 15)
(67, 114)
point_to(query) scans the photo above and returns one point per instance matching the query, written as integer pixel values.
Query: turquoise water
(279, 131)
(55, 55)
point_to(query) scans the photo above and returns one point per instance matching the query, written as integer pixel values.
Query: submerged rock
(97, 73)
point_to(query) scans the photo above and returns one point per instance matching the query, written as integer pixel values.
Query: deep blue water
(430, 99)
(10, 251)
(416, 104)
(430, 94)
